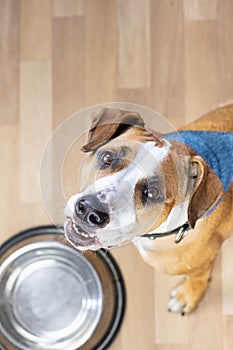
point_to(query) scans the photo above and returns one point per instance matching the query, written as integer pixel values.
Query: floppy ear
(109, 123)
(208, 190)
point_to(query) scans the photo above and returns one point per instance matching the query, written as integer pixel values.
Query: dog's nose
(92, 211)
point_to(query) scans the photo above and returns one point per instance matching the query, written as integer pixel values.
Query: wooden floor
(57, 57)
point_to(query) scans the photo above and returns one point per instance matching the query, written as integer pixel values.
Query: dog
(171, 195)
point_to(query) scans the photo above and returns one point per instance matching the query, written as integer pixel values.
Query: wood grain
(68, 8)
(35, 28)
(225, 28)
(134, 43)
(68, 67)
(9, 188)
(176, 330)
(171, 347)
(100, 51)
(227, 283)
(201, 66)
(206, 319)
(168, 59)
(228, 335)
(198, 10)
(35, 124)
(9, 52)
(138, 333)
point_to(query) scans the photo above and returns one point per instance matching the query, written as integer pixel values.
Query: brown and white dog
(138, 184)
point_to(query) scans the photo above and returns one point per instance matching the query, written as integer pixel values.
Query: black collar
(180, 233)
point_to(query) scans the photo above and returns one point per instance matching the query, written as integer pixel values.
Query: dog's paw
(187, 295)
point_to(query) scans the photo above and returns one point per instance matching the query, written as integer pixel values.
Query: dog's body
(138, 182)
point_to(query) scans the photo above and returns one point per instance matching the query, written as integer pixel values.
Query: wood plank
(35, 29)
(168, 80)
(225, 26)
(205, 324)
(66, 158)
(228, 334)
(137, 331)
(134, 43)
(68, 8)
(198, 10)
(176, 329)
(144, 97)
(26, 215)
(35, 124)
(9, 184)
(171, 347)
(68, 67)
(9, 51)
(137, 96)
(227, 282)
(100, 51)
(29, 215)
(17, 215)
(201, 68)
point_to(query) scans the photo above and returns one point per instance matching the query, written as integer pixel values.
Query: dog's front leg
(183, 260)
(187, 295)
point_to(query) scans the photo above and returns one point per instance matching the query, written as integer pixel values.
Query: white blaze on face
(117, 190)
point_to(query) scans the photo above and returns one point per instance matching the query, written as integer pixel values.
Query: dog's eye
(107, 158)
(151, 193)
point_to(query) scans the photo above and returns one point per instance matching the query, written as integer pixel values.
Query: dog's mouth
(79, 237)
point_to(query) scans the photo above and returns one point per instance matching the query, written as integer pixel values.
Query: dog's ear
(208, 190)
(108, 124)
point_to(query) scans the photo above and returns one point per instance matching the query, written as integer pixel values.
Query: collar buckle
(181, 233)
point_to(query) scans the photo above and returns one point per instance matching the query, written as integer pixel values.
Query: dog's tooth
(75, 228)
(84, 234)
(79, 232)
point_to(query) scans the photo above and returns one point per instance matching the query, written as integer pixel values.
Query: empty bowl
(53, 297)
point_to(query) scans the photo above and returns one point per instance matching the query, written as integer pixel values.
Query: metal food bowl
(52, 297)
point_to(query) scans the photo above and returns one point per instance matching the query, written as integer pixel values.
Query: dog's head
(134, 181)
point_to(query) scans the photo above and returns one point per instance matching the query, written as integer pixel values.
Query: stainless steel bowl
(53, 297)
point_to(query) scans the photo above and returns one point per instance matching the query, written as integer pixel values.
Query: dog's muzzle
(103, 214)
(92, 212)
(85, 214)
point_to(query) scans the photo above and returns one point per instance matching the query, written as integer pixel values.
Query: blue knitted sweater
(216, 148)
